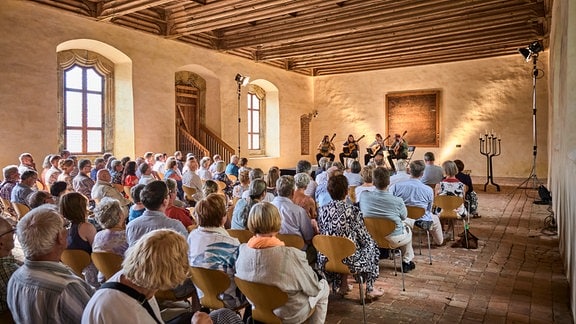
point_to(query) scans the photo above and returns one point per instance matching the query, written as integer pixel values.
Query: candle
(480, 136)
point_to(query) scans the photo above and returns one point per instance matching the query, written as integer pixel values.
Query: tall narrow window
(86, 110)
(83, 106)
(253, 122)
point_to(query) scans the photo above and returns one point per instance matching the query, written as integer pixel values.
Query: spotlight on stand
(532, 50)
(242, 81)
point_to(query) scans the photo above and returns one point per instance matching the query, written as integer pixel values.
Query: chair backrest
(189, 192)
(411, 150)
(448, 205)
(415, 212)
(118, 187)
(212, 283)
(221, 185)
(292, 240)
(40, 185)
(5, 204)
(264, 298)
(77, 260)
(352, 194)
(336, 249)
(108, 263)
(127, 192)
(232, 177)
(243, 235)
(379, 228)
(20, 209)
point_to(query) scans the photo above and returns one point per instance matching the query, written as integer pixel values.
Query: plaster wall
(28, 86)
(488, 94)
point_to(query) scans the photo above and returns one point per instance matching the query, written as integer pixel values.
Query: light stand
(532, 53)
(241, 81)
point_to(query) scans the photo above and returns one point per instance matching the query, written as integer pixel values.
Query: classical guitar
(376, 147)
(325, 149)
(398, 144)
(352, 146)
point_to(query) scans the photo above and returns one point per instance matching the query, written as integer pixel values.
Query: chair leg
(420, 238)
(362, 296)
(401, 269)
(429, 248)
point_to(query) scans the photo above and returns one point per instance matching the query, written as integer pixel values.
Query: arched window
(86, 103)
(256, 120)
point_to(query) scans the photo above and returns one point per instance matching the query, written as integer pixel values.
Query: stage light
(532, 50)
(242, 79)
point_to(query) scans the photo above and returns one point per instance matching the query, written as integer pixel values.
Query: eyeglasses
(67, 224)
(12, 230)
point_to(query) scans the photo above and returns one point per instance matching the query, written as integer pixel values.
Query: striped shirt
(47, 292)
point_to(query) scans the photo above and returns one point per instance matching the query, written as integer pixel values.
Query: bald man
(7, 262)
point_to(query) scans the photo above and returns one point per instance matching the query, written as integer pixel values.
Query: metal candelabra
(490, 147)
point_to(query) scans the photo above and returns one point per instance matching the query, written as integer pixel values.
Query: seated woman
(265, 259)
(220, 175)
(39, 198)
(212, 247)
(353, 176)
(257, 192)
(367, 185)
(112, 238)
(243, 185)
(172, 172)
(341, 219)
(471, 201)
(271, 178)
(129, 177)
(451, 186)
(137, 209)
(301, 181)
(74, 207)
(175, 212)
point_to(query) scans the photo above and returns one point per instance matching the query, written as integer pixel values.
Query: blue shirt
(232, 168)
(295, 219)
(381, 203)
(415, 193)
(149, 221)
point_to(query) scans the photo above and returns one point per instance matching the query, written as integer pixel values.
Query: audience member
(58, 189)
(216, 158)
(112, 238)
(209, 187)
(243, 164)
(265, 259)
(39, 198)
(137, 209)
(129, 177)
(220, 175)
(159, 163)
(191, 179)
(116, 171)
(11, 178)
(415, 193)
(243, 184)
(254, 174)
(381, 203)
(256, 194)
(295, 220)
(366, 174)
(99, 164)
(66, 166)
(43, 290)
(53, 172)
(45, 167)
(401, 172)
(323, 197)
(471, 201)
(271, 178)
(145, 174)
(175, 212)
(304, 166)
(432, 173)
(353, 176)
(103, 188)
(301, 181)
(451, 186)
(23, 189)
(133, 287)
(82, 182)
(172, 172)
(26, 163)
(203, 172)
(7, 262)
(232, 167)
(211, 239)
(341, 219)
(74, 207)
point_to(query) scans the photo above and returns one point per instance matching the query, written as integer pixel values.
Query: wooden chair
(108, 263)
(6, 205)
(232, 178)
(221, 186)
(127, 192)
(416, 213)
(264, 299)
(243, 235)
(448, 204)
(336, 249)
(212, 283)
(20, 209)
(379, 228)
(40, 185)
(352, 194)
(77, 260)
(292, 240)
(189, 192)
(411, 150)
(118, 187)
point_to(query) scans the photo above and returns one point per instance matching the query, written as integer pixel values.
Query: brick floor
(515, 276)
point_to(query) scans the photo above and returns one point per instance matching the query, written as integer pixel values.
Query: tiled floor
(515, 276)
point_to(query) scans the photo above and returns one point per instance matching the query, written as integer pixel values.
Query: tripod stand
(532, 177)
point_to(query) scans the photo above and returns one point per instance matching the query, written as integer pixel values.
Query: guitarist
(326, 149)
(350, 148)
(376, 147)
(399, 149)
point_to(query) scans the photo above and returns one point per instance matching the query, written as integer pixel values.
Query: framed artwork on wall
(417, 113)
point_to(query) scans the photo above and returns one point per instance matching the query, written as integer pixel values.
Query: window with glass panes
(83, 110)
(254, 115)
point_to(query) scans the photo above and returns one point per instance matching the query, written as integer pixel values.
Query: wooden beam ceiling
(324, 37)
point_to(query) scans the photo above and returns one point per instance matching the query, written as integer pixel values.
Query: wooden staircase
(208, 144)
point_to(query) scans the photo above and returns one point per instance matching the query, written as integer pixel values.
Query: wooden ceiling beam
(118, 8)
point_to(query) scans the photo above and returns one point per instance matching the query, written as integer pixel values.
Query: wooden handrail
(188, 144)
(215, 144)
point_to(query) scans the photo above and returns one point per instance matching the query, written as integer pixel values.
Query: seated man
(433, 174)
(7, 262)
(103, 188)
(232, 167)
(82, 182)
(415, 193)
(43, 290)
(381, 203)
(22, 190)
